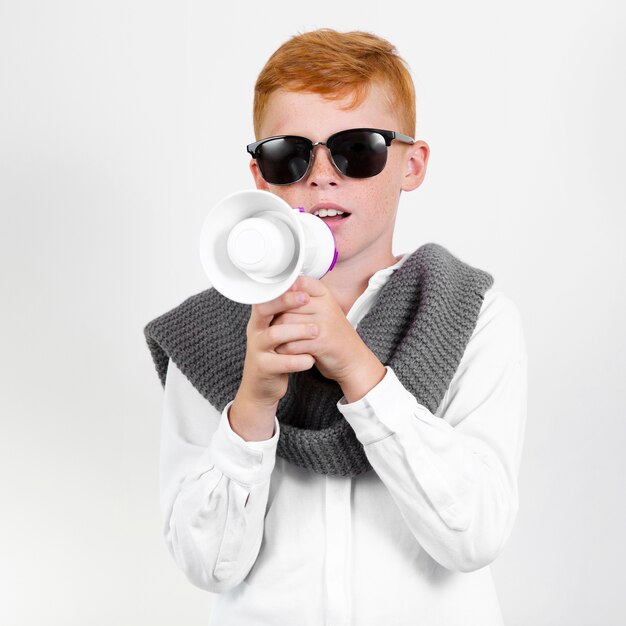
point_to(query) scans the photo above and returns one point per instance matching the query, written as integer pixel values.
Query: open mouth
(331, 215)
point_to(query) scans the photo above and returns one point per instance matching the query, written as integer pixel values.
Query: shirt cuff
(247, 462)
(383, 410)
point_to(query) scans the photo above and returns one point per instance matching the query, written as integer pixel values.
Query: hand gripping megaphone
(253, 246)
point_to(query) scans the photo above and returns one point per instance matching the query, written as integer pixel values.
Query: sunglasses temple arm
(403, 138)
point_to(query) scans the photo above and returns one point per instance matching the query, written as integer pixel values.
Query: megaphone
(253, 246)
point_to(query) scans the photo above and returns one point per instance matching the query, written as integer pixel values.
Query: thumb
(312, 286)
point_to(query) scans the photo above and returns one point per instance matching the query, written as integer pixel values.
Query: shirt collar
(364, 302)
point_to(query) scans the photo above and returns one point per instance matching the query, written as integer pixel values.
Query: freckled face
(371, 202)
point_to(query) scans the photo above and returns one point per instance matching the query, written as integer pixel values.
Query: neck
(349, 278)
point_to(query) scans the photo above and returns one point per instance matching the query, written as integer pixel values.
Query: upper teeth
(327, 212)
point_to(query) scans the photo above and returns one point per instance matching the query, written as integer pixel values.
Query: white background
(123, 122)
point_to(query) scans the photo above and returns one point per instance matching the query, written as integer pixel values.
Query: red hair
(336, 65)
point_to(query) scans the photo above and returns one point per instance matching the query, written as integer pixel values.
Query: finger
(297, 362)
(284, 333)
(295, 316)
(301, 346)
(263, 313)
(287, 363)
(310, 285)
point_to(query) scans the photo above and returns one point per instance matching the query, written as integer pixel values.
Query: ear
(416, 162)
(259, 181)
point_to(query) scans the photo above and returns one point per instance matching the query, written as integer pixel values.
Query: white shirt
(406, 544)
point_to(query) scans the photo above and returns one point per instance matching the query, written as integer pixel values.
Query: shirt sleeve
(214, 488)
(454, 475)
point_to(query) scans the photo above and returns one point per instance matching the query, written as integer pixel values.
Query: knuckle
(273, 334)
(256, 310)
(288, 299)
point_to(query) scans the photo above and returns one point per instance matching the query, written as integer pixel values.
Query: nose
(322, 173)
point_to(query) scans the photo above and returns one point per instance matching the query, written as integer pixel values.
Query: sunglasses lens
(284, 160)
(359, 154)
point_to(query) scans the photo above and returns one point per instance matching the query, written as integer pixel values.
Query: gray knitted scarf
(419, 325)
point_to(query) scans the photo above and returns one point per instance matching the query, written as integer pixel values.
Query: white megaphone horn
(253, 246)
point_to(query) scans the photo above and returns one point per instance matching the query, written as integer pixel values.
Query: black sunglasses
(356, 153)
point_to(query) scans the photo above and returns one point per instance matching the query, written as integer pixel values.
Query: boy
(313, 473)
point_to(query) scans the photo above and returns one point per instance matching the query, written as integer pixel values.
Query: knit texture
(419, 326)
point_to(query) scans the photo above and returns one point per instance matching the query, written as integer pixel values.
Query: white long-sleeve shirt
(409, 543)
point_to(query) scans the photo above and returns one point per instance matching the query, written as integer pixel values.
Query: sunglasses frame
(387, 135)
